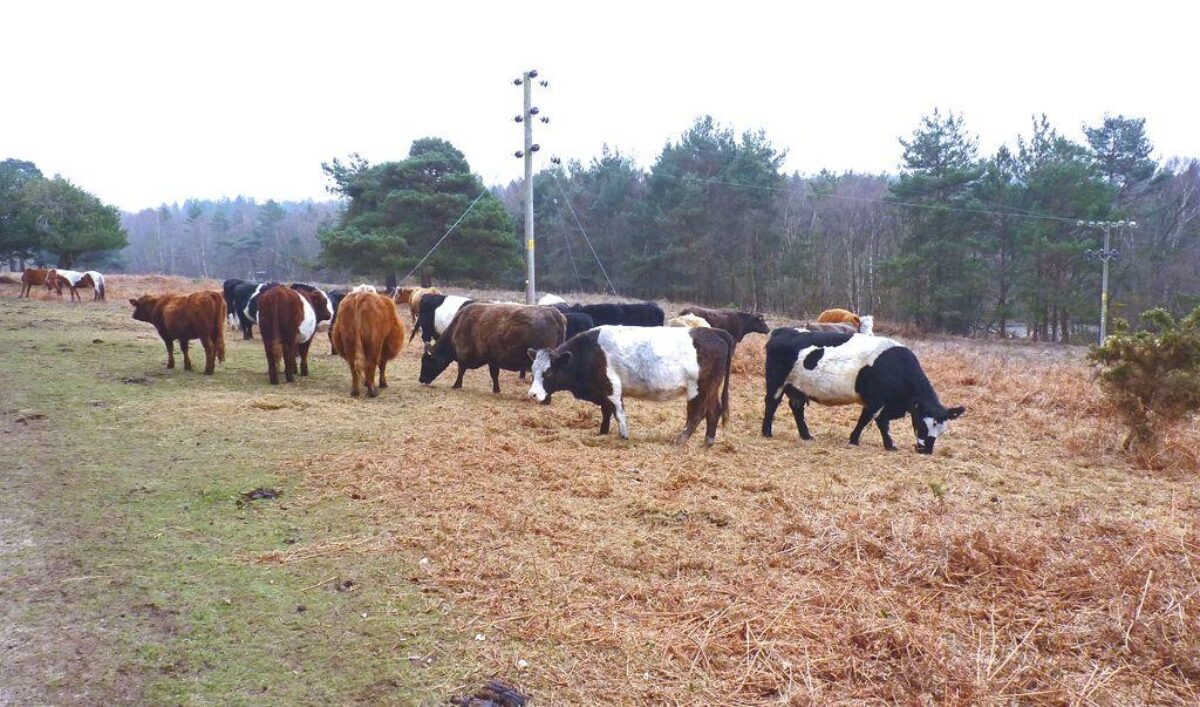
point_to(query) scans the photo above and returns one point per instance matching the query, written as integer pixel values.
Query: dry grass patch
(1042, 569)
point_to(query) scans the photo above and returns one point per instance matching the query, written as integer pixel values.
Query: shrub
(1154, 378)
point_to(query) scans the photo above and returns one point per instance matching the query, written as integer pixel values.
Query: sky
(158, 102)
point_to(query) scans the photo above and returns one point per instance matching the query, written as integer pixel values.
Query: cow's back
(503, 333)
(651, 362)
(368, 322)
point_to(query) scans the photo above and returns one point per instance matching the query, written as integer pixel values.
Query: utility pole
(1105, 254)
(526, 117)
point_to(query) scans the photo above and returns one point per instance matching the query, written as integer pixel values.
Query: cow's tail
(218, 334)
(728, 370)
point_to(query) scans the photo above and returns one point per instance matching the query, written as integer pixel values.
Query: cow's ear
(133, 302)
(955, 413)
(532, 354)
(564, 358)
(914, 406)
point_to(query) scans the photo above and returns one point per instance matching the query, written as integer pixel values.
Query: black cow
(621, 314)
(844, 369)
(577, 322)
(738, 324)
(335, 301)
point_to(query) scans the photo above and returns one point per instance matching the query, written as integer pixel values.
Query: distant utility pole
(1105, 254)
(526, 117)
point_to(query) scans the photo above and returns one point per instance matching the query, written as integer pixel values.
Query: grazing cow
(738, 324)
(689, 321)
(368, 333)
(863, 324)
(548, 299)
(238, 295)
(95, 280)
(495, 335)
(436, 313)
(199, 315)
(623, 314)
(33, 277)
(287, 320)
(845, 369)
(609, 362)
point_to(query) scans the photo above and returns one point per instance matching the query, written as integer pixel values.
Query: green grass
(130, 573)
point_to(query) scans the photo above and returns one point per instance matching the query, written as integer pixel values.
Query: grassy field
(430, 539)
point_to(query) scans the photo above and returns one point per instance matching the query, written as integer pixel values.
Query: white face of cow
(541, 363)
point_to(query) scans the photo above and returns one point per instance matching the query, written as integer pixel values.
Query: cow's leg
(494, 372)
(462, 370)
(273, 353)
(187, 359)
(771, 404)
(695, 413)
(382, 370)
(797, 401)
(210, 355)
(606, 409)
(75, 295)
(882, 423)
(170, 343)
(713, 416)
(304, 357)
(522, 374)
(619, 411)
(289, 361)
(369, 365)
(864, 419)
(355, 374)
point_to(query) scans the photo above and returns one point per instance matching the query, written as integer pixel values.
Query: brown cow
(287, 320)
(200, 315)
(34, 277)
(861, 324)
(738, 324)
(367, 333)
(495, 335)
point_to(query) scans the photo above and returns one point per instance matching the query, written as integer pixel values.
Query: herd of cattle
(600, 353)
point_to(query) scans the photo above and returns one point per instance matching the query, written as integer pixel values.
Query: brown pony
(34, 277)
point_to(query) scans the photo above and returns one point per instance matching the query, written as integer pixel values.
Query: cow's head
(929, 422)
(551, 372)
(758, 325)
(436, 359)
(143, 307)
(320, 304)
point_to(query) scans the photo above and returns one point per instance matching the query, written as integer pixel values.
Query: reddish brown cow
(34, 277)
(200, 315)
(287, 320)
(367, 333)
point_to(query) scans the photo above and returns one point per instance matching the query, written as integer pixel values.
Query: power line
(444, 235)
(584, 232)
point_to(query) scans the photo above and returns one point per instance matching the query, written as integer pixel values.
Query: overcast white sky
(144, 103)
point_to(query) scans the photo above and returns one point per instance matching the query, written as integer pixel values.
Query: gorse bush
(1153, 376)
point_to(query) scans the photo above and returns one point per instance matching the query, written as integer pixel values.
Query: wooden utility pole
(526, 117)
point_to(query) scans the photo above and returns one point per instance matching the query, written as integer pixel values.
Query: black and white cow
(436, 313)
(845, 369)
(645, 314)
(335, 301)
(301, 287)
(238, 294)
(607, 363)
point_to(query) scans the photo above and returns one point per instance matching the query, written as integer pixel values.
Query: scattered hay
(272, 402)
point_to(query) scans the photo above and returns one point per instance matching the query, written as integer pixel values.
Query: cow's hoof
(355, 394)
(710, 441)
(373, 393)
(382, 384)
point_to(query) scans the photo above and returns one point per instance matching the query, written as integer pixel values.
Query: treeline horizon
(954, 240)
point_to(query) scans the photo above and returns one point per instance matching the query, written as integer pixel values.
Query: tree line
(955, 240)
